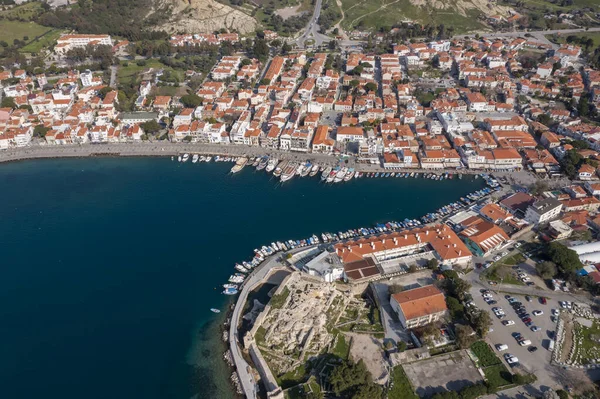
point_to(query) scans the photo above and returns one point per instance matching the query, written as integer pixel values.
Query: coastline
(161, 149)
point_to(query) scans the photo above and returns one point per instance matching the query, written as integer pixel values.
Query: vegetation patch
(485, 354)
(278, 300)
(400, 387)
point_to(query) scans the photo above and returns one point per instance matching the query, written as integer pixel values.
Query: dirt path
(568, 340)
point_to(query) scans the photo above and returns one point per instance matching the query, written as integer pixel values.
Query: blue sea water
(110, 266)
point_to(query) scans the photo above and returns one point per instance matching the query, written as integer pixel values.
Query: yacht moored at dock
(239, 165)
(314, 170)
(185, 157)
(280, 167)
(326, 173)
(271, 165)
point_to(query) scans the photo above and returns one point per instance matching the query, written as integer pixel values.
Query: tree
(460, 288)
(368, 391)
(455, 307)
(191, 100)
(538, 187)
(104, 91)
(550, 394)
(546, 269)
(40, 131)
(481, 321)
(150, 127)
(432, 264)
(566, 259)
(8, 102)
(260, 49)
(354, 83)
(465, 336)
(402, 346)
(562, 394)
(347, 377)
(583, 107)
(371, 86)
(412, 268)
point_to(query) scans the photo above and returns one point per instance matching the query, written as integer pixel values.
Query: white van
(501, 347)
(525, 342)
(551, 345)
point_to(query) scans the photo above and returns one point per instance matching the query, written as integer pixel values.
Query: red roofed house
(419, 306)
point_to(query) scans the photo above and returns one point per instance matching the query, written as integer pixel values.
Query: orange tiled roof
(421, 302)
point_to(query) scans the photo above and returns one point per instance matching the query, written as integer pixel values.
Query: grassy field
(342, 347)
(47, 40)
(23, 12)
(378, 13)
(401, 388)
(595, 36)
(498, 375)
(11, 30)
(130, 73)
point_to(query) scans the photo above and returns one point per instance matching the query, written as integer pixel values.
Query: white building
(543, 211)
(419, 306)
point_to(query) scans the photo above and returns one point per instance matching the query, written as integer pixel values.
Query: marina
(286, 169)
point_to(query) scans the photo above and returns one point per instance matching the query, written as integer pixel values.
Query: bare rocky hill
(205, 16)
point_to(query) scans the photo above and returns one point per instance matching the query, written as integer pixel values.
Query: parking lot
(505, 334)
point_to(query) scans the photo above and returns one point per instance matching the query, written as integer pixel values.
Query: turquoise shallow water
(110, 266)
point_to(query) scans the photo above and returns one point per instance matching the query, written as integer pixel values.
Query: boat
(279, 169)
(241, 268)
(208, 159)
(179, 158)
(300, 170)
(230, 291)
(230, 286)
(215, 310)
(185, 157)
(340, 175)
(332, 175)
(314, 170)
(288, 172)
(239, 165)
(263, 163)
(349, 175)
(271, 165)
(256, 162)
(306, 170)
(326, 173)
(195, 158)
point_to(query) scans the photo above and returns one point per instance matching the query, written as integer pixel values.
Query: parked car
(532, 349)
(528, 298)
(501, 347)
(543, 300)
(508, 323)
(529, 283)
(492, 302)
(537, 313)
(555, 312)
(526, 320)
(535, 328)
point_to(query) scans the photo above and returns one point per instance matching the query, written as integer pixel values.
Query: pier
(247, 381)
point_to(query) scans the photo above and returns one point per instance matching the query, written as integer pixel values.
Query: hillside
(461, 14)
(204, 16)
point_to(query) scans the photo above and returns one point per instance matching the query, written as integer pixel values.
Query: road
(311, 31)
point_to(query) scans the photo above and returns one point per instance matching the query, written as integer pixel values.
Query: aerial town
(492, 294)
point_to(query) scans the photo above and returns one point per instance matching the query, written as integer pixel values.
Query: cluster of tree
(457, 292)
(329, 15)
(354, 381)
(290, 25)
(101, 54)
(572, 161)
(114, 17)
(586, 42)
(564, 258)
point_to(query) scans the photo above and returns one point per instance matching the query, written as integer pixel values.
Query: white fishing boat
(349, 175)
(326, 173)
(239, 165)
(194, 158)
(314, 170)
(332, 175)
(215, 310)
(185, 157)
(208, 159)
(271, 165)
(340, 175)
(179, 158)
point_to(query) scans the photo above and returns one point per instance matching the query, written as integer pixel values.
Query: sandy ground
(368, 349)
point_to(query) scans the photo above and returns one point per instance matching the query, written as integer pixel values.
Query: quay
(166, 148)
